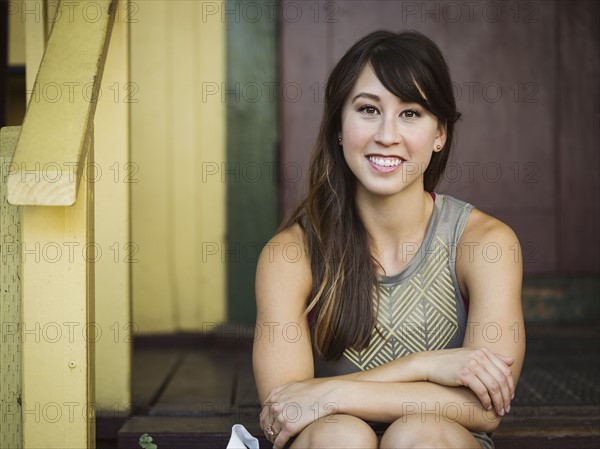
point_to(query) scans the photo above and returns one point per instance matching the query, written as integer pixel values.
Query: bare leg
(417, 432)
(336, 431)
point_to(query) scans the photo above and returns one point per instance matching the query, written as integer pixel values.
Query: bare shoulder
(484, 229)
(283, 276)
(488, 249)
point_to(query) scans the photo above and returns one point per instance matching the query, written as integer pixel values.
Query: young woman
(384, 301)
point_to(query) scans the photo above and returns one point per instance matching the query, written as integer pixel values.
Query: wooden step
(518, 430)
(190, 395)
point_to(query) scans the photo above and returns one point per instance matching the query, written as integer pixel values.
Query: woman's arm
(490, 273)
(492, 282)
(282, 349)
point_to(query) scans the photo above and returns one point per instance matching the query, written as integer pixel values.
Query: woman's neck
(396, 225)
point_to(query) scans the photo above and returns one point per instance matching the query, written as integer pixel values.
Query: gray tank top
(420, 308)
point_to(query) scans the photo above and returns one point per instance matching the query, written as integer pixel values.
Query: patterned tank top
(420, 308)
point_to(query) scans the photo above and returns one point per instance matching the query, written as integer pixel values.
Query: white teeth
(385, 162)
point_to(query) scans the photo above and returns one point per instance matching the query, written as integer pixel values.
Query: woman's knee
(337, 431)
(416, 432)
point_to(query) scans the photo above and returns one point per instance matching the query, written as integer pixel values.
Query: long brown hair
(342, 266)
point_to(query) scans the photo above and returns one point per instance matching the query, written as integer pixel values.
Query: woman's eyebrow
(366, 95)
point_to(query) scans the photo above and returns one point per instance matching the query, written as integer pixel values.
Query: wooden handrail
(52, 165)
(48, 163)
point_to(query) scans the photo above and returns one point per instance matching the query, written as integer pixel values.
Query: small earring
(439, 147)
(340, 140)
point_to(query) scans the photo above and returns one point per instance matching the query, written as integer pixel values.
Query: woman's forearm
(410, 368)
(486, 376)
(389, 401)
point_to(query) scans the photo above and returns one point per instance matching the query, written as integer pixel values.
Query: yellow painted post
(10, 303)
(52, 175)
(114, 174)
(58, 329)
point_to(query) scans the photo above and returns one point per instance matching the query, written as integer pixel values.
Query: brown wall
(526, 76)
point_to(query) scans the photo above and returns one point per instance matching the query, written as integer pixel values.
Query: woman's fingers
(277, 430)
(495, 389)
(281, 439)
(503, 376)
(480, 390)
(505, 358)
(269, 422)
(492, 373)
(265, 419)
(504, 368)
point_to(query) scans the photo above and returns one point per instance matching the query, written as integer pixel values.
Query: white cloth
(241, 439)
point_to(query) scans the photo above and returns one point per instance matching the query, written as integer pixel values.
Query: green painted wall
(251, 173)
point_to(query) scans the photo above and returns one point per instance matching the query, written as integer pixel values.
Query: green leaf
(146, 442)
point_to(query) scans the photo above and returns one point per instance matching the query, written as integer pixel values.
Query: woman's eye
(368, 109)
(411, 113)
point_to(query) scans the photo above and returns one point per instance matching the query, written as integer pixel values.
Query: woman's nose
(388, 133)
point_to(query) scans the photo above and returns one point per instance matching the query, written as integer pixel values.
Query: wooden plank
(11, 436)
(153, 287)
(58, 321)
(578, 137)
(183, 165)
(206, 432)
(554, 350)
(179, 282)
(545, 427)
(203, 385)
(550, 442)
(61, 110)
(196, 217)
(246, 394)
(152, 369)
(214, 431)
(252, 99)
(210, 191)
(113, 269)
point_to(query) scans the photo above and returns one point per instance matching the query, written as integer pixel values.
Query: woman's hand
(291, 407)
(487, 374)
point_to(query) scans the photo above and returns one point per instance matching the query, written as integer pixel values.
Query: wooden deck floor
(188, 392)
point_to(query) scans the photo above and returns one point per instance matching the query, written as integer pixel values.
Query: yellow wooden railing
(72, 133)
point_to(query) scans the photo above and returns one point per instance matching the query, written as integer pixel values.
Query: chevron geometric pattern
(419, 314)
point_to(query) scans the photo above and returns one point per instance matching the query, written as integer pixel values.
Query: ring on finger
(270, 432)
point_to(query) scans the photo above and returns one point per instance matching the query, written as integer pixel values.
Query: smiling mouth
(385, 161)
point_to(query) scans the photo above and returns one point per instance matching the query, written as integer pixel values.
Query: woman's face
(386, 143)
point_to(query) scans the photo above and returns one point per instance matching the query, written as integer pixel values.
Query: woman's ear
(440, 138)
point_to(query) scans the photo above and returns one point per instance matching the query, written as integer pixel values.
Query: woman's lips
(385, 164)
